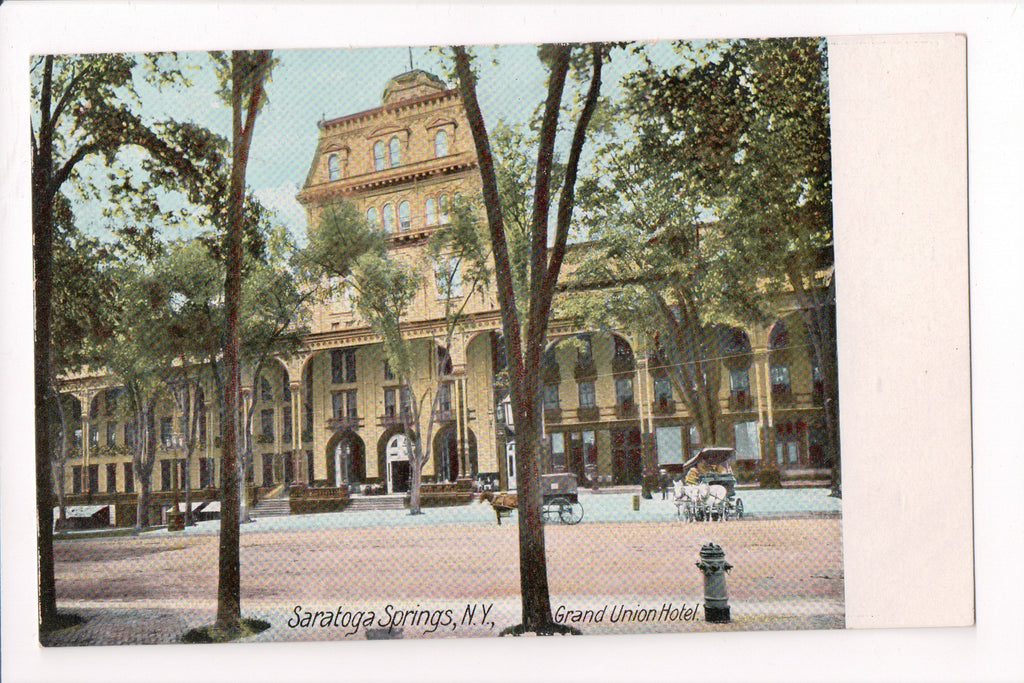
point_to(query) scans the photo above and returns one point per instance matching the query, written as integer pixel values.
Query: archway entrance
(396, 455)
(346, 459)
(449, 463)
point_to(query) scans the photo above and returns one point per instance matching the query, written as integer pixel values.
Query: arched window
(333, 169)
(440, 144)
(371, 216)
(442, 206)
(378, 156)
(431, 211)
(389, 217)
(394, 152)
(403, 216)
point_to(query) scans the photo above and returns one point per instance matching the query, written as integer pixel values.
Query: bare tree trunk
(247, 77)
(42, 259)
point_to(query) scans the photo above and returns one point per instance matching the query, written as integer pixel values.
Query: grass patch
(212, 634)
(62, 621)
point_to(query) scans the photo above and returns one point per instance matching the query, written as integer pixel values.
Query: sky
(309, 85)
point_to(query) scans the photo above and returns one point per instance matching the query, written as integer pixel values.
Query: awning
(83, 511)
(710, 456)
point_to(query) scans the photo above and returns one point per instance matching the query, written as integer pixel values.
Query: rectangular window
(624, 392)
(694, 440)
(390, 403)
(76, 479)
(739, 380)
(337, 366)
(94, 436)
(585, 351)
(344, 403)
(550, 396)
(748, 446)
(780, 378)
(589, 449)
(268, 469)
(205, 473)
(129, 435)
(111, 478)
(350, 365)
(389, 376)
(587, 397)
(669, 442)
(662, 389)
(447, 278)
(557, 445)
(165, 475)
(351, 404)
(309, 467)
(444, 401)
(129, 478)
(286, 424)
(111, 433)
(202, 428)
(94, 478)
(267, 424)
(166, 426)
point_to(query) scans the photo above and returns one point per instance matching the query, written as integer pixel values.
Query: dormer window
(440, 144)
(394, 152)
(378, 156)
(333, 167)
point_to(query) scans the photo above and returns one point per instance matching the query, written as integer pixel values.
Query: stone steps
(395, 501)
(271, 507)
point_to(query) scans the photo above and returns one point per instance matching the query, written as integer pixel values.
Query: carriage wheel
(552, 511)
(571, 513)
(738, 508)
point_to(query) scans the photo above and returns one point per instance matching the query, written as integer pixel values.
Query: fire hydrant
(716, 600)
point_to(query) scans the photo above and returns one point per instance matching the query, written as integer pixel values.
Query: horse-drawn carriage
(560, 500)
(707, 489)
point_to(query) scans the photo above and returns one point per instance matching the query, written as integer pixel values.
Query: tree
(343, 245)
(525, 335)
(657, 262)
(82, 109)
(273, 302)
(751, 118)
(243, 76)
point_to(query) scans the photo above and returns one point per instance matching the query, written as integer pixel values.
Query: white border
(989, 651)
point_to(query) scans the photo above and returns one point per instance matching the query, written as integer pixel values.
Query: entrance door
(397, 455)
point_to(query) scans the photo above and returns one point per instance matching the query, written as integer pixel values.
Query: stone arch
(394, 469)
(448, 465)
(345, 455)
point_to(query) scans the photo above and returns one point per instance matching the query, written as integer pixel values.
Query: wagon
(713, 495)
(560, 502)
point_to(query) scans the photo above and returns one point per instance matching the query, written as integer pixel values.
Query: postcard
(478, 342)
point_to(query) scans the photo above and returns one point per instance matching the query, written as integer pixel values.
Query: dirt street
(775, 562)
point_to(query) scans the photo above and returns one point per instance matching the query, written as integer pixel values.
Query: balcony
(625, 409)
(782, 395)
(622, 364)
(552, 415)
(443, 415)
(585, 370)
(663, 406)
(339, 422)
(739, 401)
(588, 413)
(390, 418)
